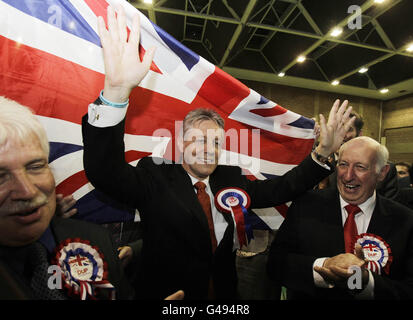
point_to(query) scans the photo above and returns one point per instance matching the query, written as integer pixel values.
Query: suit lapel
(381, 221)
(215, 185)
(181, 186)
(334, 222)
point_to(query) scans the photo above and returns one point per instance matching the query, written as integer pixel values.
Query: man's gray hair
(382, 154)
(201, 114)
(19, 122)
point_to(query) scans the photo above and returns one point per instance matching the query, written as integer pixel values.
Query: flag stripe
(274, 111)
(54, 64)
(58, 13)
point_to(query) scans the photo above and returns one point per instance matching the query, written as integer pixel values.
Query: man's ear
(383, 172)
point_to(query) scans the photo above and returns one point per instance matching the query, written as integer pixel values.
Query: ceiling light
(281, 74)
(335, 83)
(363, 70)
(384, 90)
(301, 59)
(378, 1)
(336, 32)
(410, 48)
(147, 1)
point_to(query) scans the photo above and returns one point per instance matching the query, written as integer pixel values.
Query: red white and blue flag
(51, 61)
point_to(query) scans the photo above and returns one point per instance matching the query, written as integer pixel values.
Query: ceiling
(258, 39)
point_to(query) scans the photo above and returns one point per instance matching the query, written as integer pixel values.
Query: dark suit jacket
(63, 229)
(176, 242)
(405, 197)
(314, 229)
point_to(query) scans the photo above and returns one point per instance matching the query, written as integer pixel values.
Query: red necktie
(205, 202)
(350, 227)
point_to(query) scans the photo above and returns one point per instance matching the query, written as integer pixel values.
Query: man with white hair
(348, 243)
(43, 256)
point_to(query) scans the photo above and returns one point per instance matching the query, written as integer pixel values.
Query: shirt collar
(366, 207)
(195, 180)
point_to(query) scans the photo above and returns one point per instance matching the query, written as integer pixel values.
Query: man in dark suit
(187, 243)
(329, 231)
(33, 242)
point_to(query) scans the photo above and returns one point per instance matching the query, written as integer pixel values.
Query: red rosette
(377, 252)
(235, 201)
(83, 268)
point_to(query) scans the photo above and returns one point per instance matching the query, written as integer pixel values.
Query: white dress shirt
(362, 220)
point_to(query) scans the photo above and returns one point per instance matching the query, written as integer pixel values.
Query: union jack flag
(51, 60)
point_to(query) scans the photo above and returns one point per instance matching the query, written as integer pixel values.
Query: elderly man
(187, 242)
(83, 262)
(388, 187)
(328, 234)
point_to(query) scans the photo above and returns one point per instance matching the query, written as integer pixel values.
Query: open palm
(123, 68)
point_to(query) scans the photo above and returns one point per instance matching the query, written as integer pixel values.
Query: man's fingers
(103, 32)
(113, 24)
(327, 274)
(349, 123)
(359, 252)
(323, 126)
(340, 272)
(148, 57)
(179, 295)
(134, 36)
(342, 110)
(70, 213)
(122, 253)
(333, 111)
(123, 33)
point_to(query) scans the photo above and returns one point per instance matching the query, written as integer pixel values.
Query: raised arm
(103, 126)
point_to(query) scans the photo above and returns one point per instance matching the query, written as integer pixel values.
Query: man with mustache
(187, 242)
(32, 238)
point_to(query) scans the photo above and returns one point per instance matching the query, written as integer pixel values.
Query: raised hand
(123, 68)
(334, 130)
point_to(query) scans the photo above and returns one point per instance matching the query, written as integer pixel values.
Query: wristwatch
(321, 158)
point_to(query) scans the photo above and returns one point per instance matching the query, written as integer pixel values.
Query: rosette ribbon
(236, 201)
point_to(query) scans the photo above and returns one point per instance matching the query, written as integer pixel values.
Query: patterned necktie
(350, 228)
(205, 202)
(39, 265)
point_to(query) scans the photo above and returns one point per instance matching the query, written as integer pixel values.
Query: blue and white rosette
(236, 202)
(84, 270)
(376, 252)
